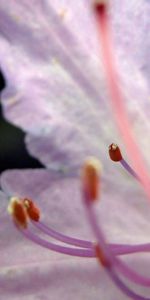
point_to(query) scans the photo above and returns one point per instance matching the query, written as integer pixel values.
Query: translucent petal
(58, 95)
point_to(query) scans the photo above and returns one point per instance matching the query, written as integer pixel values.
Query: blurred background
(13, 154)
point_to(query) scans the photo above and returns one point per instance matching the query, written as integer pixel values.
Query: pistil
(102, 21)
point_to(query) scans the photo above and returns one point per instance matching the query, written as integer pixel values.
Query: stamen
(101, 257)
(114, 276)
(91, 178)
(108, 254)
(100, 6)
(120, 284)
(81, 253)
(128, 168)
(61, 249)
(32, 210)
(17, 211)
(22, 221)
(115, 153)
(117, 249)
(57, 248)
(61, 237)
(118, 100)
(89, 252)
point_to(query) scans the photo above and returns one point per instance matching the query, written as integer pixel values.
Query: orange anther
(91, 178)
(115, 153)
(19, 214)
(100, 6)
(32, 210)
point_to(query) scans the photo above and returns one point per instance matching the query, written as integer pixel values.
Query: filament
(54, 247)
(113, 261)
(128, 168)
(116, 156)
(117, 249)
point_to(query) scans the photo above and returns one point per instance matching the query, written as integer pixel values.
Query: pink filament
(117, 249)
(114, 261)
(128, 168)
(118, 99)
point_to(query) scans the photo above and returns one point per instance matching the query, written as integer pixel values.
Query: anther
(32, 210)
(91, 178)
(18, 212)
(100, 6)
(115, 153)
(101, 257)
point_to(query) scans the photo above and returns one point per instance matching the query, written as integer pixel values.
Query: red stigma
(32, 210)
(115, 153)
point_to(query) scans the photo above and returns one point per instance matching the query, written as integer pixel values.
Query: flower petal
(132, 36)
(3, 202)
(67, 278)
(68, 73)
(86, 129)
(41, 74)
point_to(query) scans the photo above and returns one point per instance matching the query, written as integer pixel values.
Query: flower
(59, 96)
(32, 271)
(72, 129)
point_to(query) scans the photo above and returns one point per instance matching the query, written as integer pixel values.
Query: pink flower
(59, 99)
(56, 90)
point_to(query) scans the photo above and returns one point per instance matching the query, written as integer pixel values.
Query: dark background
(13, 154)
